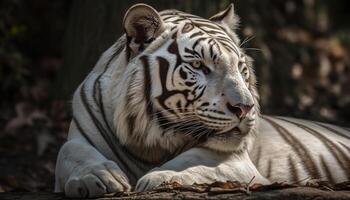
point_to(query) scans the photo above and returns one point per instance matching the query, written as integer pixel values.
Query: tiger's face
(200, 82)
(203, 85)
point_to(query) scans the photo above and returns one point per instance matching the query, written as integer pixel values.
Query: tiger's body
(150, 112)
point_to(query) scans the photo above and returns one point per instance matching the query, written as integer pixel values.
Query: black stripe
(303, 153)
(221, 38)
(211, 50)
(294, 176)
(326, 169)
(111, 139)
(189, 69)
(88, 108)
(213, 32)
(130, 117)
(164, 123)
(147, 85)
(97, 97)
(97, 83)
(196, 34)
(131, 124)
(332, 130)
(80, 129)
(192, 52)
(168, 17)
(269, 169)
(193, 17)
(339, 154)
(228, 47)
(119, 149)
(202, 52)
(214, 58)
(141, 163)
(346, 147)
(258, 157)
(102, 131)
(115, 54)
(101, 106)
(213, 27)
(189, 56)
(177, 20)
(197, 42)
(173, 28)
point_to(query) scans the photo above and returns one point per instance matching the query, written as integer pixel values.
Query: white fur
(84, 170)
(201, 165)
(91, 170)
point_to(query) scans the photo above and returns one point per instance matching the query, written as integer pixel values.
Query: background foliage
(300, 47)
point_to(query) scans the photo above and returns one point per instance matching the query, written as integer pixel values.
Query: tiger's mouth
(199, 129)
(223, 125)
(208, 132)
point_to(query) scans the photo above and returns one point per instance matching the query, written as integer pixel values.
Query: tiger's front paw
(95, 180)
(156, 178)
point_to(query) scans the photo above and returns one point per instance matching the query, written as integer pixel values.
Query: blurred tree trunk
(93, 26)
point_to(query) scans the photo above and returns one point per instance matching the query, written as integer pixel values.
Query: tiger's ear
(227, 17)
(142, 24)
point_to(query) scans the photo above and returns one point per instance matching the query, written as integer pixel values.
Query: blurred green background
(300, 47)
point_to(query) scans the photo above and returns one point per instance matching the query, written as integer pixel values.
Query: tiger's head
(189, 77)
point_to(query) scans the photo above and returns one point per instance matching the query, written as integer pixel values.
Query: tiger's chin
(235, 139)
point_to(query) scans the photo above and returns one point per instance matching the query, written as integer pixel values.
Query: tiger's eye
(196, 64)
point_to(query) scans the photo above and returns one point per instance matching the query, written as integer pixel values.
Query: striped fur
(175, 99)
(295, 150)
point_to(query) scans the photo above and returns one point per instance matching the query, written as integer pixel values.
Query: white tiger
(174, 99)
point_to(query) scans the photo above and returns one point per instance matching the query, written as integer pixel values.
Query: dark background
(301, 51)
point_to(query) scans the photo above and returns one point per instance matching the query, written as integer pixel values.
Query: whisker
(197, 129)
(253, 49)
(183, 124)
(174, 119)
(171, 117)
(199, 136)
(176, 126)
(246, 40)
(190, 132)
(186, 127)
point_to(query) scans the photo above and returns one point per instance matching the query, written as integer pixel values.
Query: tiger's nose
(240, 110)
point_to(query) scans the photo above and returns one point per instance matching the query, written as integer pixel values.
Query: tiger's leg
(199, 165)
(81, 171)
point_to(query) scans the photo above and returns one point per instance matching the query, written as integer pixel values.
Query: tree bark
(93, 26)
(285, 194)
